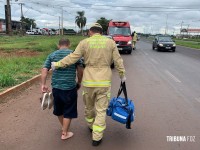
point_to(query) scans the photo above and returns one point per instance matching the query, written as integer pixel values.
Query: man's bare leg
(65, 128)
(60, 118)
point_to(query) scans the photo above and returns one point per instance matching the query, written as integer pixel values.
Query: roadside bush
(6, 80)
(15, 70)
(16, 32)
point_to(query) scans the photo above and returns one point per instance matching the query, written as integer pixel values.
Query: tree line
(80, 21)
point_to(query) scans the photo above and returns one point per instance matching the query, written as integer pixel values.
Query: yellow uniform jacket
(98, 52)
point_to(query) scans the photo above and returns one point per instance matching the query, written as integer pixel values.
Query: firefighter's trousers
(134, 43)
(96, 102)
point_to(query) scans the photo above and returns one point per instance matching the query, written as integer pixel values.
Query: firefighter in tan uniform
(134, 36)
(98, 52)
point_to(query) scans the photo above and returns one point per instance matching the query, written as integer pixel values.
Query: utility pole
(75, 28)
(166, 27)
(59, 25)
(187, 30)
(21, 9)
(181, 27)
(22, 16)
(173, 31)
(8, 18)
(62, 22)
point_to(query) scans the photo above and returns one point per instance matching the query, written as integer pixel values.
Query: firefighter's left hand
(54, 65)
(123, 79)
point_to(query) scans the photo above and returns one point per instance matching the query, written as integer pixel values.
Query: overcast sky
(147, 16)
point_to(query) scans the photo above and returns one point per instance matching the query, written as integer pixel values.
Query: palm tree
(80, 20)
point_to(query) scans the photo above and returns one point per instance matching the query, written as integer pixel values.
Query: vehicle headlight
(160, 44)
(129, 42)
(174, 44)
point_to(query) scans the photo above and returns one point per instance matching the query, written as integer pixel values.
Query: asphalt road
(165, 87)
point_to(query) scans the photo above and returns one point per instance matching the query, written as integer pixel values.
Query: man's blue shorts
(65, 103)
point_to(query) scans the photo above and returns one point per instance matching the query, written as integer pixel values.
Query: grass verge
(15, 70)
(187, 43)
(15, 67)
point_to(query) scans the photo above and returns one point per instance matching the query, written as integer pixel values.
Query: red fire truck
(121, 34)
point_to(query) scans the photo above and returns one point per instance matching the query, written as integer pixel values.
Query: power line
(47, 5)
(105, 7)
(38, 3)
(143, 7)
(45, 12)
(40, 11)
(135, 8)
(140, 10)
(196, 20)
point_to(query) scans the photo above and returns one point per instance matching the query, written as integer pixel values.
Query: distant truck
(37, 31)
(121, 34)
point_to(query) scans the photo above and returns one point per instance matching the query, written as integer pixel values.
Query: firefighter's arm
(70, 59)
(118, 61)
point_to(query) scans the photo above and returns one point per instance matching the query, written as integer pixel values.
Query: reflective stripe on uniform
(57, 64)
(98, 128)
(96, 84)
(89, 119)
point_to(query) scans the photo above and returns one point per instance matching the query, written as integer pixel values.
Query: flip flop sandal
(50, 100)
(45, 98)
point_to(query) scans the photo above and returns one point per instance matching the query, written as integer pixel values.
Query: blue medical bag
(122, 109)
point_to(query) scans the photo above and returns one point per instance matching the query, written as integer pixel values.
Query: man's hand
(78, 85)
(44, 88)
(123, 79)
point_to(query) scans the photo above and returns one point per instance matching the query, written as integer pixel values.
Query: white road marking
(154, 61)
(197, 99)
(172, 76)
(144, 52)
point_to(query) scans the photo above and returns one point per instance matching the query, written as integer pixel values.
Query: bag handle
(123, 88)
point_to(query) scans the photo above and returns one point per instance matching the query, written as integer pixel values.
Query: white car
(29, 32)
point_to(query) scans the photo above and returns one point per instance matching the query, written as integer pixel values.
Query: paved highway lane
(181, 69)
(165, 88)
